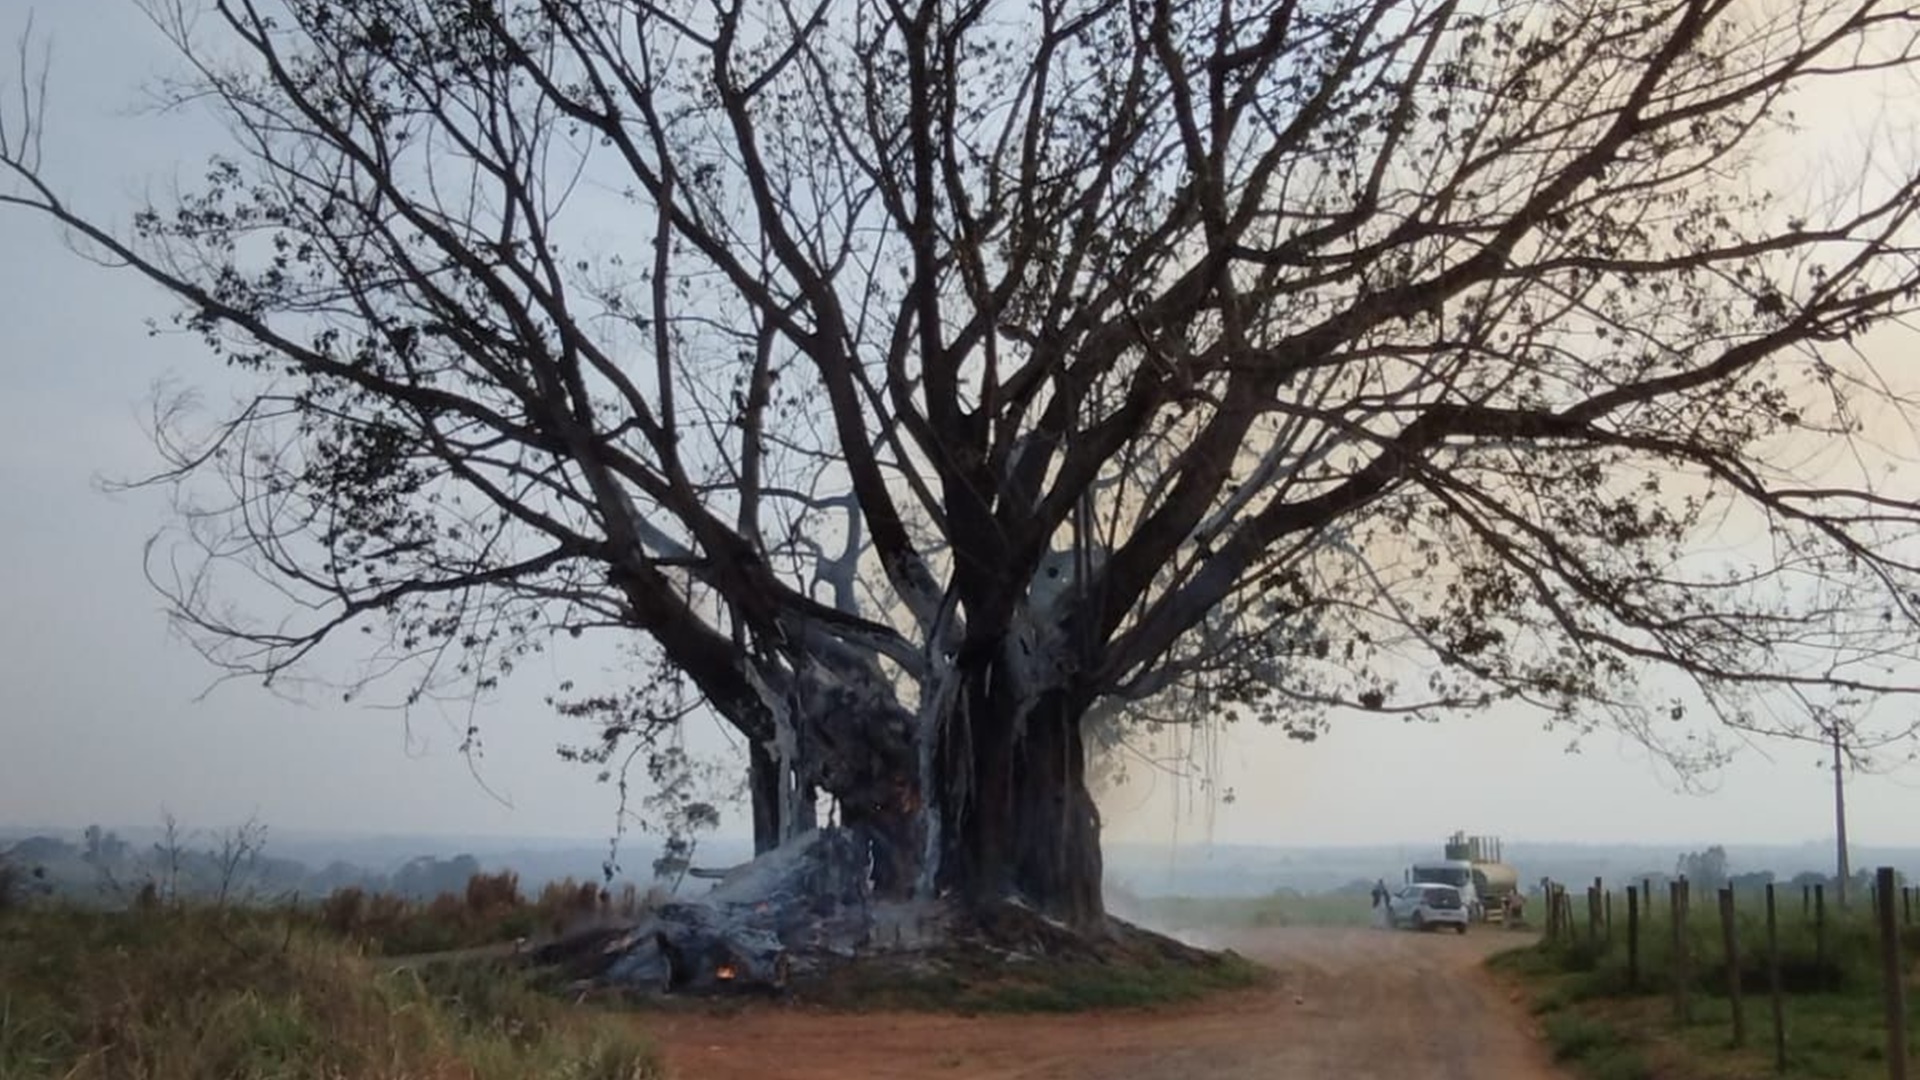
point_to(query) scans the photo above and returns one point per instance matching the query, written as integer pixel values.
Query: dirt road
(1349, 1004)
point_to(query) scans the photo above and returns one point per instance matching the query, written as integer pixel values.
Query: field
(371, 986)
(1282, 908)
(1599, 1021)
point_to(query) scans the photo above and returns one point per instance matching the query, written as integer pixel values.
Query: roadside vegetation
(1608, 1026)
(490, 910)
(181, 993)
(426, 905)
(158, 983)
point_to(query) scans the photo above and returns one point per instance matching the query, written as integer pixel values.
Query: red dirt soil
(1347, 1004)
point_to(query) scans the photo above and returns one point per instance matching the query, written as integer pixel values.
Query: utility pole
(1839, 816)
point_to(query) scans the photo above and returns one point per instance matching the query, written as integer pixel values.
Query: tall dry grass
(252, 995)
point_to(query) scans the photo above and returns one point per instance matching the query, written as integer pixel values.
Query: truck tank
(1494, 880)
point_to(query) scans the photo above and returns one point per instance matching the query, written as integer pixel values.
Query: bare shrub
(344, 910)
(566, 903)
(447, 908)
(492, 894)
(385, 909)
(13, 883)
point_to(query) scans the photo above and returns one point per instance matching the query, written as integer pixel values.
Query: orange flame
(724, 972)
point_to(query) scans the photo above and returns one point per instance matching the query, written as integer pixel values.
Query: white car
(1428, 905)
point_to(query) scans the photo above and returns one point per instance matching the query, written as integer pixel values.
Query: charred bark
(765, 779)
(1021, 823)
(855, 742)
(763, 787)
(802, 905)
(1017, 820)
(889, 827)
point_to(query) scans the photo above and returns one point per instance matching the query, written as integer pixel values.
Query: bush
(20, 882)
(489, 910)
(344, 911)
(563, 903)
(393, 926)
(13, 884)
(493, 894)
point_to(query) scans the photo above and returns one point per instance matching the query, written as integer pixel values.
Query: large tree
(921, 380)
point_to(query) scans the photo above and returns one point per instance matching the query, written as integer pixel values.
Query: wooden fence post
(1893, 972)
(1806, 902)
(1686, 944)
(1730, 942)
(1633, 937)
(1773, 989)
(1820, 933)
(1678, 926)
(1593, 914)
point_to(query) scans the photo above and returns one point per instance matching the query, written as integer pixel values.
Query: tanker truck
(1473, 864)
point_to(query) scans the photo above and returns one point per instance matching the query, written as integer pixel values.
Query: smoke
(1162, 919)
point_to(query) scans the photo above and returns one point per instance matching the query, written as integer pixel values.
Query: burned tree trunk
(776, 817)
(1056, 835)
(1008, 800)
(763, 788)
(855, 741)
(1021, 823)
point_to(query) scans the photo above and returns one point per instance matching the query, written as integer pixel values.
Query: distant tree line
(230, 864)
(1710, 869)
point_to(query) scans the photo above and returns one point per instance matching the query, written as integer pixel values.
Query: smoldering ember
(941, 393)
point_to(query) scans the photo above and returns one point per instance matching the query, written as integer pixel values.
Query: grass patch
(185, 994)
(1574, 1037)
(1136, 969)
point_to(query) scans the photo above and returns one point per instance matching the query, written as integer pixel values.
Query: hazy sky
(99, 719)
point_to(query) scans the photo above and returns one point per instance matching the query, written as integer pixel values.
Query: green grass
(180, 995)
(1599, 1048)
(1607, 1027)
